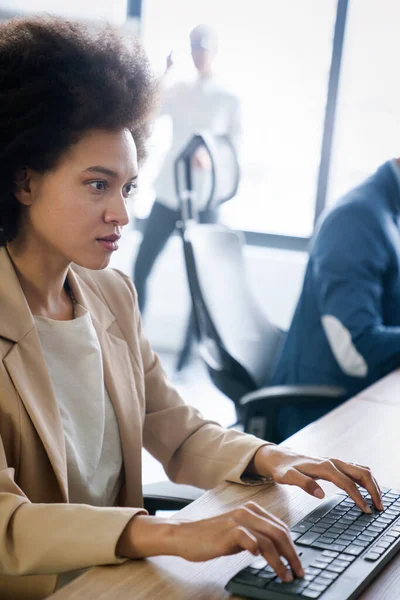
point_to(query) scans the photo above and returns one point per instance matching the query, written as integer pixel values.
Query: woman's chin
(93, 263)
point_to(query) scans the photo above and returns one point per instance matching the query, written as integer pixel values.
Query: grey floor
(196, 389)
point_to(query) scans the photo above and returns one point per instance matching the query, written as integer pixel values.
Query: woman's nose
(117, 212)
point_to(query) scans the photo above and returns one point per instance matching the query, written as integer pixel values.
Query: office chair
(224, 181)
(166, 495)
(237, 342)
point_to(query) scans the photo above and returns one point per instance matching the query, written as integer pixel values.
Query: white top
(92, 441)
(193, 106)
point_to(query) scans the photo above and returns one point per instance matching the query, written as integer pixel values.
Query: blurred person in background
(346, 328)
(193, 106)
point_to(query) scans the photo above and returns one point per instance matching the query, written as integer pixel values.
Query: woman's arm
(248, 527)
(53, 538)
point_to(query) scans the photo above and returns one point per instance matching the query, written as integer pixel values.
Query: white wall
(112, 10)
(275, 277)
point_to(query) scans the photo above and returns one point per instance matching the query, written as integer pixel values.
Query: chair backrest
(233, 332)
(220, 183)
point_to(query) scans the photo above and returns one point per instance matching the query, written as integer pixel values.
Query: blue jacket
(346, 327)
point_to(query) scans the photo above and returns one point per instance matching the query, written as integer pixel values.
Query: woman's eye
(99, 186)
(130, 189)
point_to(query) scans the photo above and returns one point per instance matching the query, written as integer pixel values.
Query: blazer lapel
(27, 368)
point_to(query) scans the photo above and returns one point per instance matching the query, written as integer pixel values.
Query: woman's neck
(42, 280)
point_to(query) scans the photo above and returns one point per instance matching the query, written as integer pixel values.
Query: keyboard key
(384, 545)
(330, 575)
(325, 559)
(331, 535)
(249, 579)
(375, 528)
(322, 580)
(325, 540)
(307, 539)
(347, 557)
(392, 511)
(356, 528)
(266, 575)
(389, 538)
(365, 537)
(355, 550)
(334, 568)
(390, 495)
(312, 571)
(330, 554)
(295, 587)
(252, 571)
(347, 537)
(341, 563)
(310, 594)
(361, 543)
(384, 520)
(319, 564)
(323, 546)
(372, 556)
(302, 527)
(336, 529)
(318, 587)
(317, 529)
(366, 519)
(345, 543)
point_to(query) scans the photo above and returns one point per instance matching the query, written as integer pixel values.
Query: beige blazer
(40, 533)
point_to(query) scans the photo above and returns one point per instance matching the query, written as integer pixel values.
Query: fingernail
(319, 493)
(367, 510)
(288, 577)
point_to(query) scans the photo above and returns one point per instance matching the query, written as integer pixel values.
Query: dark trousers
(160, 225)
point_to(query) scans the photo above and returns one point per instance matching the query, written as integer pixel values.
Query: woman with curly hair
(80, 389)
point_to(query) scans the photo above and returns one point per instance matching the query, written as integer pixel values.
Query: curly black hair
(58, 80)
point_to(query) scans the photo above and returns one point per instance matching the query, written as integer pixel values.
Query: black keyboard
(341, 548)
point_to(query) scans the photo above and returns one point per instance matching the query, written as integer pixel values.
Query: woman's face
(76, 211)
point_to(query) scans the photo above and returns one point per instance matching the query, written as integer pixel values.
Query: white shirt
(93, 448)
(203, 104)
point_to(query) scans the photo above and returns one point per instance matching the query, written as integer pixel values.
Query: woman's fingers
(363, 476)
(273, 537)
(294, 476)
(245, 540)
(264, 513)
(304, 475)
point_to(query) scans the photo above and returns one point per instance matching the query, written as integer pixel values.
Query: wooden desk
(362, 430)
(385, 391)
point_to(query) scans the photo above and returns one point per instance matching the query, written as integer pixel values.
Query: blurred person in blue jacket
(203, 104)
(346, 327)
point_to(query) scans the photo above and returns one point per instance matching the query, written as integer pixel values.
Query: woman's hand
(285, 466)
(248, 527)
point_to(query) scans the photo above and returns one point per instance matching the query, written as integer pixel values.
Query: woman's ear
(22, 189)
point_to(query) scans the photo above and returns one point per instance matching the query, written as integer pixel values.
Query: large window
(276, 56)
(367, 129)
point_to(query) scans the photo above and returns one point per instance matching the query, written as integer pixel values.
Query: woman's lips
(109, 245)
